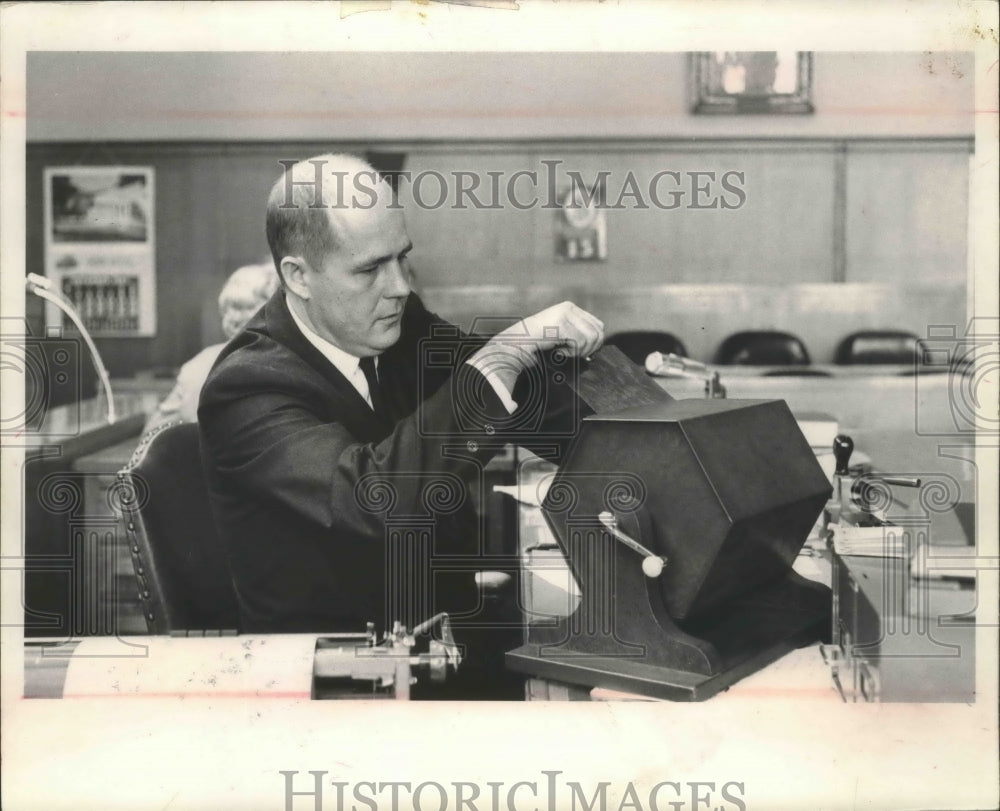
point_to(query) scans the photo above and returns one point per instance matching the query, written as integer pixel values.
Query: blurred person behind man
(244, 292)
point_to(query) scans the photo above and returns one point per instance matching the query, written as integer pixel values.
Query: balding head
(310, 200)
(339, 243)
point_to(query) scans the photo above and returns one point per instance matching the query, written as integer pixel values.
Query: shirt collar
(346, 363)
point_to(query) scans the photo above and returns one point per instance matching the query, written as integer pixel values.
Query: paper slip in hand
(533, 493)
(610, 382)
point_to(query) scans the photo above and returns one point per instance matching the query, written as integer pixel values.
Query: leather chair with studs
(184, 581)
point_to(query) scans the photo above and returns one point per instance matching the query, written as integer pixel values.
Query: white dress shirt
(346, 363)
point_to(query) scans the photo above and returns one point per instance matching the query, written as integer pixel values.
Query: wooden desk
(817, 369)
(926, 404)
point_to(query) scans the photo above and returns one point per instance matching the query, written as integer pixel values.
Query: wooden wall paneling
(178, 282)
(907, 212)
(837, 244)
(230, 232)
(244, 183)
(646, 245)
(206, 248)
(34, 203)
(822, 314)
(637, 238)
(34, 309)
(688, 245)
(782, 231)
(463, 246)
(694, 313)
(209, 220)
(493, 307)
(710, 271)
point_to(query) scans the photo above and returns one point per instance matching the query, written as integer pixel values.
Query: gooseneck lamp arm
(42, 288)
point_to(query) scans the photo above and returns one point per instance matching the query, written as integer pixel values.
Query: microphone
(42, 287)
(672, 365)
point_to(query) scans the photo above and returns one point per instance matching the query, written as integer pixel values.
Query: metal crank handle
(900, 481)
(652, 564)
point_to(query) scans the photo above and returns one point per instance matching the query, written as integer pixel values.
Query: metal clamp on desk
(897, 634)
(359, 665)
(337, 665)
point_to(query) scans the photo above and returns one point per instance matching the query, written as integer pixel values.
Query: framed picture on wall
(100, 247)
(581, 227)
(751, 82)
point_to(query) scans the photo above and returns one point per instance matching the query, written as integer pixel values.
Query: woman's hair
(244, 292)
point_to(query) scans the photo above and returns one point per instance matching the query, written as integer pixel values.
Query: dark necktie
(374, 390)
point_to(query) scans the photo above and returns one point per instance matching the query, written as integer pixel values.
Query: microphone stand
(42, 288)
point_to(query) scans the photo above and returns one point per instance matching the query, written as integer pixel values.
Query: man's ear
(293, 270)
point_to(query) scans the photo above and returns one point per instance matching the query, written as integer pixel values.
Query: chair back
(637, 344)
(183, 578)
(762, 348)
(797, 371)
(877, 346)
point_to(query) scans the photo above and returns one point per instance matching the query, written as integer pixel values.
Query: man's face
(357, 293)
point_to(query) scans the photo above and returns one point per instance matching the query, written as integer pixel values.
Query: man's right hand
(563, 325)
(515, 349)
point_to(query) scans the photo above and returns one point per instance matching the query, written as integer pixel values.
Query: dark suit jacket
(294, 459)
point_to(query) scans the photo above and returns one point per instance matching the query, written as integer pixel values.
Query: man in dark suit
(344, 430)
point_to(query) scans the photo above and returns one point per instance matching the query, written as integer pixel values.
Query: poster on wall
(100, 247)
(580, 227)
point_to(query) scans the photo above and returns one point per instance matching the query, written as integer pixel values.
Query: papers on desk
(952, 565)
(937, 562)
(879, 542)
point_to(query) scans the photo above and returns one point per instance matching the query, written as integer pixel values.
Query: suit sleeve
(272, 443)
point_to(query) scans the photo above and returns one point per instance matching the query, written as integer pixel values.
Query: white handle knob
(652, 564)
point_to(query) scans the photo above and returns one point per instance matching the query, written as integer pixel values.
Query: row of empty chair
(776, 348)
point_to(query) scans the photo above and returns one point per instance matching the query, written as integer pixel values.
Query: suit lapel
(349, 406)
(394, 387)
